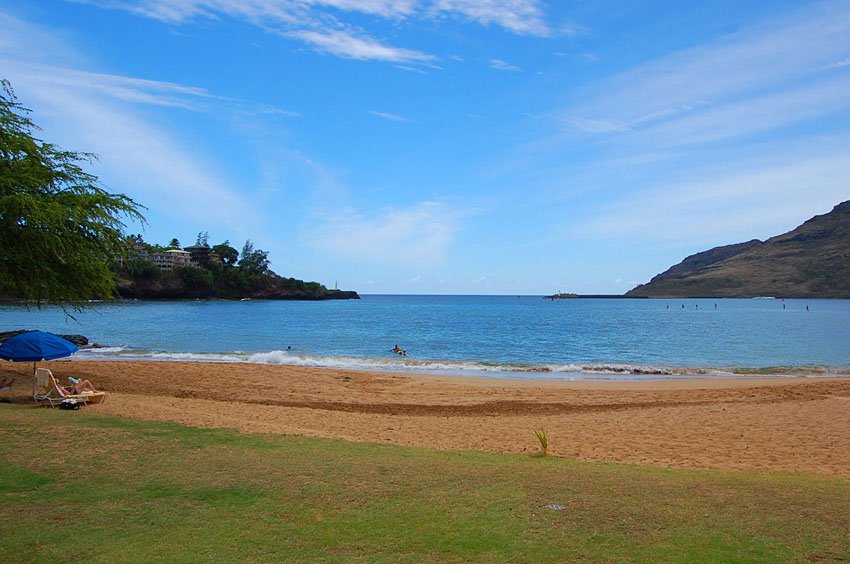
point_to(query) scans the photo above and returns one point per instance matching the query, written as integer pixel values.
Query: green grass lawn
(78, 485)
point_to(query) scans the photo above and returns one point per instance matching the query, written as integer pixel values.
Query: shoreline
(794, 424)
(573, 371)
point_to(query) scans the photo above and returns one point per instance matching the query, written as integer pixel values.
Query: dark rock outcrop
(812, 261)
(79, 340)
(199, 283)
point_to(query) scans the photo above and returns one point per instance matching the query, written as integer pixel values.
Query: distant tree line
(223, 272)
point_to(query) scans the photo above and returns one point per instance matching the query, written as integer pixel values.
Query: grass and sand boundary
(138, 489)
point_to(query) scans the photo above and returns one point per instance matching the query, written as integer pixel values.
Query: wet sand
(777, 424)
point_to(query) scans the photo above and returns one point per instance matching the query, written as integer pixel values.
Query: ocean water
(512, 336)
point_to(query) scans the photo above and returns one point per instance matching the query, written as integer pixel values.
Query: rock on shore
(79, 340)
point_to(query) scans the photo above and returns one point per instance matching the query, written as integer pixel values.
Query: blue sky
(450, 146)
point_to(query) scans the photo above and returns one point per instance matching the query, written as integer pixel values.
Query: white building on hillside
(171, 259)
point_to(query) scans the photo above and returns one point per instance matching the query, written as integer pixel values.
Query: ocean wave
(196, 357)
(567, 371)
(127, 353)
(94, 351)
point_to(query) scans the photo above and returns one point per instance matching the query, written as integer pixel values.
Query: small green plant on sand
(544, 441)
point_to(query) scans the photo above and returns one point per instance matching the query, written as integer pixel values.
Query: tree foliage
(140, 277)
(254, 261)
(228, 254)
(58, 225)
(141, 268)
(198, 281)
(203, 239)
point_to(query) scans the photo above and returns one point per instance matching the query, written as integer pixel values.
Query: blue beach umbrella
(33, 346)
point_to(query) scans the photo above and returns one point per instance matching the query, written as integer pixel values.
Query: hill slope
(812, 261)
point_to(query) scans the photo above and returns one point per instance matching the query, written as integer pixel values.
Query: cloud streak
(390, 117)
(725, 209)
(523, 17)
(501, 65)
(775, 67)
(348, 46)
(742, 136)
(837, 65)
(323, 25)
(104, 113)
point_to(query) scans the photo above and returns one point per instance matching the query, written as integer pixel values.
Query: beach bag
(69, 403)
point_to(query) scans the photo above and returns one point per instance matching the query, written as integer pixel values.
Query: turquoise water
(516, 336)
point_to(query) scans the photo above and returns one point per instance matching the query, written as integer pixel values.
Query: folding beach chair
(45, 388)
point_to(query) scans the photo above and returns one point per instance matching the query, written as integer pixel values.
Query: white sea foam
(196, 357)
(572, 371)
(126, 353)
(101, 351)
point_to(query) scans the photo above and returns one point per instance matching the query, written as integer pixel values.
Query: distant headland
(811, 261)
(200, 271)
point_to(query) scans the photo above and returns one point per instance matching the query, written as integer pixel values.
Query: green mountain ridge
(811, 261)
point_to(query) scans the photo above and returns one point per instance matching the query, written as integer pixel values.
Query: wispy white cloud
(594, 125)
(499, 64)
(126, 89)
(416, 236)
(390, 117)
(752, 115)
(314, 22)
(106, 114)
(519, 16)
(279, 11)
(348, 46)
(726, 208)
(273, 110)
(753, 68)
(837, 64)
(728, 93)
(411, 69)
(322, 23)
(22, 40)
(383, 8)
(137, 156)
(744, 136)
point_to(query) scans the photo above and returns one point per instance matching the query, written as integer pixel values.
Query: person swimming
(399, 351)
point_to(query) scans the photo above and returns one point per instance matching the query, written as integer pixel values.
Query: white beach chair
(45, 388)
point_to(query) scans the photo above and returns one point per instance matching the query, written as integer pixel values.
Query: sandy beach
(777, 424)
